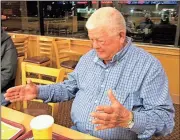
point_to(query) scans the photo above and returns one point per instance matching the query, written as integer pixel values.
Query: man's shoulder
(144, 55)
(6, 41)
(4, 36)
(145, 60)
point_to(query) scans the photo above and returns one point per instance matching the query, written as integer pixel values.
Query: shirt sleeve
(60, 91)
(157, 114)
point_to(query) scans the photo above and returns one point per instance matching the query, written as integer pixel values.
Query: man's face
(106, 45)
(3, 17)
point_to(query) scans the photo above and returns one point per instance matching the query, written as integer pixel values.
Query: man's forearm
(53, 93)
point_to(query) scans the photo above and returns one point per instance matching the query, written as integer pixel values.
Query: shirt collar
(119, 54)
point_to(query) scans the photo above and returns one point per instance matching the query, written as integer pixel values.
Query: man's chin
(100, 55)
(102, 58)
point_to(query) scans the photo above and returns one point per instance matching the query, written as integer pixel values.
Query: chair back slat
(30, 68)
(41, 81)
(21, 44)
(82, 45)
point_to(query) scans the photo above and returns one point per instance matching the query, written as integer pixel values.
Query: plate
(11, 130)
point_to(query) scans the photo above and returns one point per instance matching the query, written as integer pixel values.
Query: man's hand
(22, 93)
(112, 116)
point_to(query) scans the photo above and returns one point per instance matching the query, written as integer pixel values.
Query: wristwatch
(131, 122)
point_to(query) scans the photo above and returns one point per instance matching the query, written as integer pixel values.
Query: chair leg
(15, 106)
(18, 105)
(24, 104)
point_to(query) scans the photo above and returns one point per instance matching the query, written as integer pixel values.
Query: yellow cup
(42, 127)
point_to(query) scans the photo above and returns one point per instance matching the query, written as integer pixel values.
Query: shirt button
(96, 101)
(107, 70)
(90, 120)
(102, 86)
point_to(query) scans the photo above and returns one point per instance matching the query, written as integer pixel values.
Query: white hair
(110, 19)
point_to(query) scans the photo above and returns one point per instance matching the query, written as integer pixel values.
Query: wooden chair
(65, 57)
(21, 44)
(83, 46)
(34, 69)
(44, 57)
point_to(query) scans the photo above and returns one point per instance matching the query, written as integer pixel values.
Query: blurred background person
(146, 26)
(8, 64)
(130, 26)
(147, 23)
(165, 32)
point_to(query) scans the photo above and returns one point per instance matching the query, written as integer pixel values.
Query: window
(22, 17)
(152, 22)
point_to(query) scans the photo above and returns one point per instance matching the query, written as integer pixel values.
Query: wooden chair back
(59, 46)
(45, 47)
(82, 46)
(44, 71)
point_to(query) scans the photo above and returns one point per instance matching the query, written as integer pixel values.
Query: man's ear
(122, 37)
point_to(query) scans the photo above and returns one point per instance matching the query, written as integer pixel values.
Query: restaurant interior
(60, 26)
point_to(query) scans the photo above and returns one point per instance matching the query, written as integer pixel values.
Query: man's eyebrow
(96, 38)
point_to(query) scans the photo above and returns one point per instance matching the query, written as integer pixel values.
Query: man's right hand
(22, 93)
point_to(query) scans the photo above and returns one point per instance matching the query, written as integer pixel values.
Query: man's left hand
(115, 115)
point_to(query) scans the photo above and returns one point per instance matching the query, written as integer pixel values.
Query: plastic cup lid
(42, 122)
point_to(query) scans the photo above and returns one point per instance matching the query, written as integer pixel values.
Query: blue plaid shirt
(138, 82)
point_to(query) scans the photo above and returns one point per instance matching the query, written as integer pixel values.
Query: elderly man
(121, 91)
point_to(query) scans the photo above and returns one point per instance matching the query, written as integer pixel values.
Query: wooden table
(25, 119)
